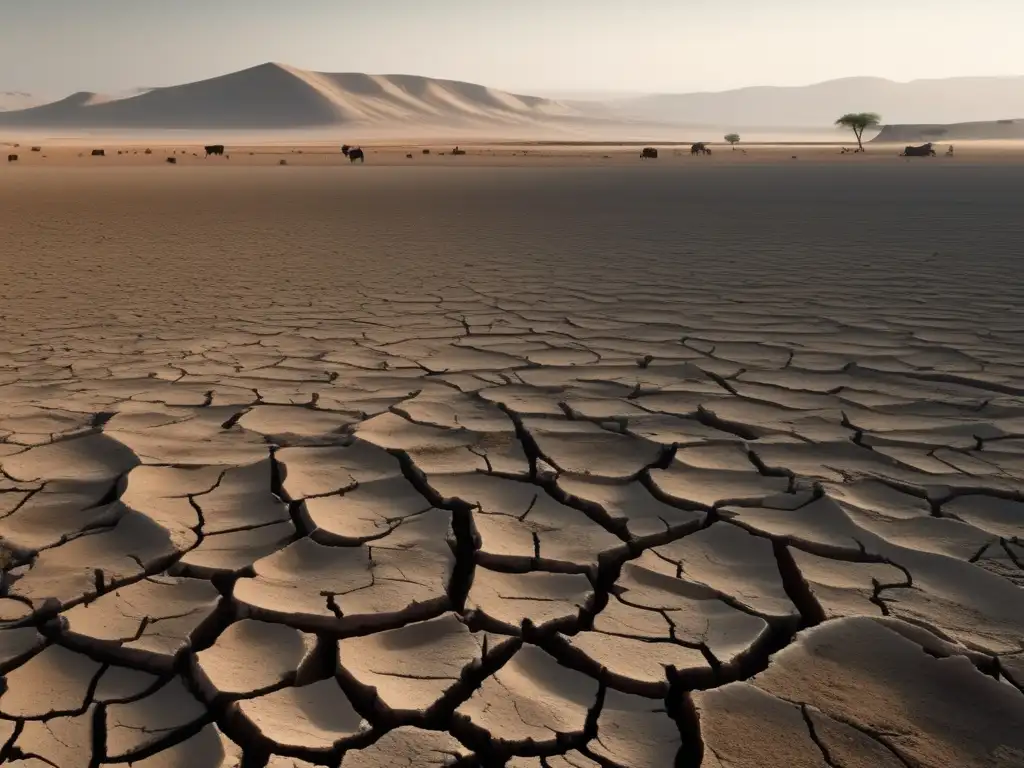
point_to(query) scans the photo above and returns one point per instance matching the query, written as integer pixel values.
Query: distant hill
(994, 130)
(276, 96)
(952, 100)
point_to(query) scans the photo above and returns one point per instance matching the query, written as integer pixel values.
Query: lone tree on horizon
(857, 122)
(733, 138)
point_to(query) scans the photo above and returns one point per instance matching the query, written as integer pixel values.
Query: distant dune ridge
(951, 100)
(994, 130)
(276, 97)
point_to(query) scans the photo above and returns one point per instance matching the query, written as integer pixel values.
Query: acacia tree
(857, 122)
(733, 138)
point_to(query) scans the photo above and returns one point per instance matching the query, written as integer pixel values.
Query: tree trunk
(858, 134)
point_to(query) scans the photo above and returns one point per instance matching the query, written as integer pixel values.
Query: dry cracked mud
(564, 524)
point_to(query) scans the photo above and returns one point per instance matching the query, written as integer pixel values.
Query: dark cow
(700, 148)
(649, 152)
(214, 149)
(345, 149)
(355, 153)
(37, 149)
(12, 158)
(172, 160)
(458, 151)
(426, 151)
(925, 150)
(99, 153)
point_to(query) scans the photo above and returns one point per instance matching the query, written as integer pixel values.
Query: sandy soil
(582, 462)
(122, 152)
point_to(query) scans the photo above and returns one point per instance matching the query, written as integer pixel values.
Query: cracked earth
(571, 511)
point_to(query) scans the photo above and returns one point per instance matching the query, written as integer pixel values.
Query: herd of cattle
(700, 148)
(356, 153)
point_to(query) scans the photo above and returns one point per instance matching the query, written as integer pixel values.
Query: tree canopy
(732, 138)
(858, 122)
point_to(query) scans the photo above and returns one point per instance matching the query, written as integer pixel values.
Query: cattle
(355, 153)
(649, 152)
(345, 149)
(458, 151)
(426, 151)
(925, 150)
(700, 148)
(12, 158)
(409, 156)
(172, 160)
(99, 153)
(37, 149)
(148, 152)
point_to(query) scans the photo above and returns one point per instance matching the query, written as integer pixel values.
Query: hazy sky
(54, 47)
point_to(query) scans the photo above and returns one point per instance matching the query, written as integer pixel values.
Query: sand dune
(276, 96)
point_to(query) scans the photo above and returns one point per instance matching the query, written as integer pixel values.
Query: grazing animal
(345, 149)
(949, 152)
(149, 152)
(12, 158)
(426, 151)
(649, 152)
(925, 150)
(458, 151)
(355, 153)
(172, 160)
(37, 149)
(283, 162)
(700, 148)
(99, 153)
(409, 156)
(214, 149)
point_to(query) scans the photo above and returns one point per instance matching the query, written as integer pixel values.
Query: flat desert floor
(561, 465)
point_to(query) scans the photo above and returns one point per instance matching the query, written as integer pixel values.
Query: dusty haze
(55, 47)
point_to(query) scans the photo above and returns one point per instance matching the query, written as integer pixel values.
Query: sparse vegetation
(733, 139)
(858, 122)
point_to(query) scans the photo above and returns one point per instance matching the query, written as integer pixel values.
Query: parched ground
(694, 465)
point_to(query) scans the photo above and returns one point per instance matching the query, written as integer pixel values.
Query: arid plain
(577, 461)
